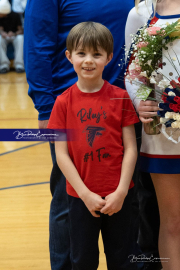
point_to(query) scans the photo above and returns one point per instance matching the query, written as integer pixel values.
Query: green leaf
(143, 92)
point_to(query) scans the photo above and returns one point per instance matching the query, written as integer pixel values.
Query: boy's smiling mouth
(88, 69)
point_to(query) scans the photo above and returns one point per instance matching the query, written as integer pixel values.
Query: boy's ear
(109, 58)
(68, 56)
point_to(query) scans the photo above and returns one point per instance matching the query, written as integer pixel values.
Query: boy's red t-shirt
(98, 119)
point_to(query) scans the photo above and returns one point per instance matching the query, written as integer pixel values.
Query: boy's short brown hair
(91, 35)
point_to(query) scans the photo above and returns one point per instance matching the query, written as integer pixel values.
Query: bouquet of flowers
(146, 70)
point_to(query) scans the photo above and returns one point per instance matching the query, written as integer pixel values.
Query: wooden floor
(24, 186)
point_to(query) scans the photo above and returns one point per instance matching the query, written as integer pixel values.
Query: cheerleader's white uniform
(158, 154)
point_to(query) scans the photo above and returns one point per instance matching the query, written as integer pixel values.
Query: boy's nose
(88, 59)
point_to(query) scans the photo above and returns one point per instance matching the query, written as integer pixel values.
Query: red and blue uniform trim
(166, 164)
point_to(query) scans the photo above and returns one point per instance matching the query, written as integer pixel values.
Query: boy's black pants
(116, 233)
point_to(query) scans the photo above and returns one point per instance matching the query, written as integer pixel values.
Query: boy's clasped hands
(110, 205)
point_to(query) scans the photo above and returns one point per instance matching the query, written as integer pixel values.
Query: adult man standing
(49, 74)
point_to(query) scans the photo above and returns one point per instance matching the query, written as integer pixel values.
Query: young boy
(99, 165)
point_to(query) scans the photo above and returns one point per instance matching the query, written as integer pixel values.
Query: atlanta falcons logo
(92, 132)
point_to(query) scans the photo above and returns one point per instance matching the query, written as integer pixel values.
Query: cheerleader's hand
(147, 109)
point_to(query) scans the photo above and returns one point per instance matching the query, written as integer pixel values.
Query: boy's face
(89, 64)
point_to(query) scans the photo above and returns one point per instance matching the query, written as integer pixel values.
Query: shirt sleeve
(136, 19)
(40, 43)
(129, 116)
(58, 115)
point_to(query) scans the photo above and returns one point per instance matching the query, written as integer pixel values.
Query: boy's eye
(97, 54)
(81, 53)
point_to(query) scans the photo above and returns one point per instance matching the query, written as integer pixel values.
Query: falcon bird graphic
(92, 132)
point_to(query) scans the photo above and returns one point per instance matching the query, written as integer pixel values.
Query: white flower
(163, 84)
(132, 66)
(144, 74)
(152, 80)
(176, 116)
(175, 124)
(149, 62)
(169, 115)
(154, 72)
(163, 120)
(159, 70)
(171, 94)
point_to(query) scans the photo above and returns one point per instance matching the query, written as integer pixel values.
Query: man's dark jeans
(59, 241)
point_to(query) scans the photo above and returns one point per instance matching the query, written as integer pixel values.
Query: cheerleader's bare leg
(167, 188)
